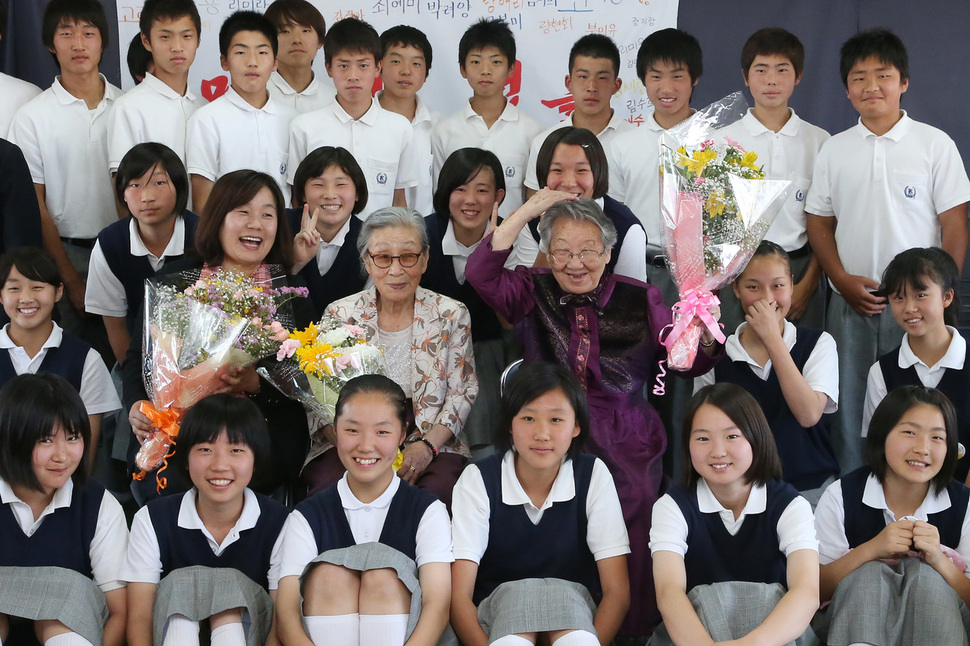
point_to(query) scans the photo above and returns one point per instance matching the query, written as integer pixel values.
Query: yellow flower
(306, 337)
(749, 159)
(398, 461)
(698, 161)
(715, 205)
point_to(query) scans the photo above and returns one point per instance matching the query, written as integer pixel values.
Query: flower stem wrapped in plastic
(716, 207)
(199, 325)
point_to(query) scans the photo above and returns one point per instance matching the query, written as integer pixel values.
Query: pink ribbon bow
(695, 303)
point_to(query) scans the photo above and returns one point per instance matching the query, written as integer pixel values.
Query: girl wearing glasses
(427, 343)
(604, 328)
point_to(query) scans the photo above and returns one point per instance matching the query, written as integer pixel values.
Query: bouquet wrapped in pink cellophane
(716, 206)
(199, 325)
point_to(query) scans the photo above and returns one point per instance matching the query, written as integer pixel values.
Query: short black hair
(33, 262)
(243, 423)
(30, 407)
(881, 43)
(596, 46)
(320, 160)
(742, 409)
(528, 383)
(375, 384)
(246, 21)
(911, 269)
(487, 32)
(765, 249)
(352, 35)
(595, 155)
(407, 36)
(671, 46)
(887, 415)
(143, 158)
(773, 41)
(460, 167)
(155, 10)
(297, 12)
(58, 12)
(138, 59)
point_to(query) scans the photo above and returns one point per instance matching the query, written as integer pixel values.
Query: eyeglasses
(563, 256)
(384, 260)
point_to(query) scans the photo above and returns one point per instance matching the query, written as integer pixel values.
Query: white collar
(896, 133)
(450, 245)
(189, 514)
(277, 79)
(369, 117)
(161, 87)
(875, 496)
(509, 113)
(350, 502)
(53, 341)
(736, 351)
(707, 503)
(175, 246)
(62, 497)
(563, 487)
(66, 98)
(338, 240)
(953, 359)
(233, 97)
(615, 122)
(755, 127)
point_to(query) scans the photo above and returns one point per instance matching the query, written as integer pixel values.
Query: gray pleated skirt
(199, 592)
(375, 556)
(54, 593)
(732, 609)
(536, 605)
(910, 603)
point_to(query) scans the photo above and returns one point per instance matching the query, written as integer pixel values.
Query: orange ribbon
(167, 423)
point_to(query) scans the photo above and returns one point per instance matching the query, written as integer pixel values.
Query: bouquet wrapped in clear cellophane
(200, 324)
(716, 207)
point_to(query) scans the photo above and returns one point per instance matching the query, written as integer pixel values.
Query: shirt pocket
(514, 169)
(911, 194)
(382, 175)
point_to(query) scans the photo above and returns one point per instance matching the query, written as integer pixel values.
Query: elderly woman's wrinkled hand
(417, 457)
(542, 200)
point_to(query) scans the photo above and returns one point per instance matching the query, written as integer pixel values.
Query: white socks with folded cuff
(357, 630)
(67, 639)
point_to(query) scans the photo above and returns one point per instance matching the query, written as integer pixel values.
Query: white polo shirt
(929, 376)
(66, 148)
(886, 191)
(380, 141)
(229, 134)
(421, 196)
(316, 95)
(787, 154)
(13, 94)
(509, 138)
(105, 295)
(616, 125)
(97, 392)
(634, 158)
(150, 111)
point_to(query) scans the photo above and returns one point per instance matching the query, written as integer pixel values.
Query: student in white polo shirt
(887, 184)
(158, 108)
(245, 128)
(63, 135)
(593, 79)
(300, 29)
(380, 140)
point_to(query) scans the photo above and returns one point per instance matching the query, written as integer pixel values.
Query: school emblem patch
(799, 196)
(510, 171)
(910, 192)
(283, 168)
(382, 178)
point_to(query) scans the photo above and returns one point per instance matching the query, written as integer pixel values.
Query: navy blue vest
(440, 277)
(62, 540)
(555, 548)
(131, 270)
(346, 275)
(863, 523)
(713, 555)
(180, 547)
(618, 213)
(807, 457)
(955, 384)
(325, 515)
(66, 360)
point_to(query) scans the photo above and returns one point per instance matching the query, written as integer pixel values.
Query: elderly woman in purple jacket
(604, 328)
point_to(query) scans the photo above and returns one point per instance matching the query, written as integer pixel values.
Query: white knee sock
(577, 638)
(229, 635)
(336, 630)
(511, 640)
(67, 639)
(383, 629)
(180, 631)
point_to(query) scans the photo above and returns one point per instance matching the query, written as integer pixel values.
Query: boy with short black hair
(772, 62)
(159, 107)
(245, 127)
(405, 64)
(301, 30)
(63, 133)
(380, 140)
(486, 56)
(593, 79)
(887, 184)
(13, 92)
(669, 63)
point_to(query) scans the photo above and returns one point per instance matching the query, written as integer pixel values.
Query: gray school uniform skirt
(536, 605)
(909, 603)
(54, 593)
(375, 556)
(732, 609)
(198, 592)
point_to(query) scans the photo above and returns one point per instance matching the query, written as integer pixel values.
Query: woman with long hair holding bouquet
(241, 231)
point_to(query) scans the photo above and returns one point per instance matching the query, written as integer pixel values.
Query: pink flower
(237, 295)
(287, 349)
(258, 322)
(707, 143)
(700, 180)
(275, 326)
(732, 142)
(355, 330)
(281, 335)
